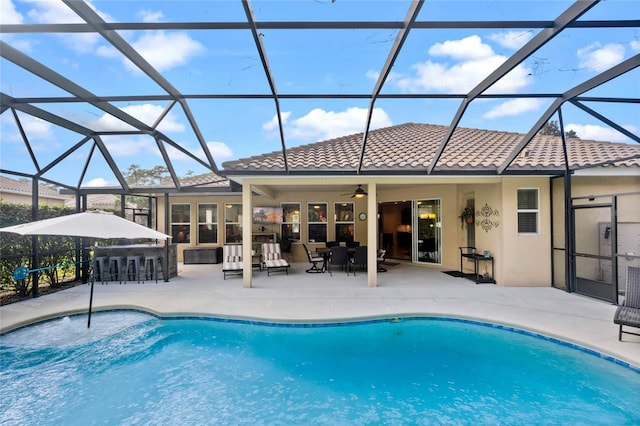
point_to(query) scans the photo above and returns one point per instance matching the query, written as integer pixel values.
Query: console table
(470, 253)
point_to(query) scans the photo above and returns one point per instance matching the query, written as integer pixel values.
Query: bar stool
(115, 268)
(135, 267)
(151, 265)
(97, 264)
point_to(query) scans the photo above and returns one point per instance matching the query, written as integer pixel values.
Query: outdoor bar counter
(143, 250)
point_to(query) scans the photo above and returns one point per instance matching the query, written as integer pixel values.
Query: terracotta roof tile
(412, 146)
(24, 187)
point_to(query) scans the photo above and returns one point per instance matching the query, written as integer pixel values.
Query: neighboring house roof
(23, 187)
(411, 147)
(99, 202)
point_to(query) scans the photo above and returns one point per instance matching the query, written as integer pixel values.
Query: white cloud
(475, 61)
(319, 124)
(165, 50)
(462, 77)
(36, 128)
(129, 146)
(470, 47)
(635, 45)
(513, 107)
(511, 39)
(56, 12)
(8, 13)
(150, 16)
(600, 133)
(147, 113)
(272, 125)
(219, 150)
(97, 182)
(596, 57)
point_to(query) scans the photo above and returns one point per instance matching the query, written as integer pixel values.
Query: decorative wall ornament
(484, 216)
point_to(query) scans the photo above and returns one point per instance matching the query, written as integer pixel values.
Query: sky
(319, 61)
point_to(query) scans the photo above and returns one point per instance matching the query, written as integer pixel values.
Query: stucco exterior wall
(9, 197)
(525, 259)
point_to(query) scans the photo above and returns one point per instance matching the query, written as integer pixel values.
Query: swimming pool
(133, 368)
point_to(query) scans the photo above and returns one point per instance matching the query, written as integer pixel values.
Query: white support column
(247, 208)
(372, 235)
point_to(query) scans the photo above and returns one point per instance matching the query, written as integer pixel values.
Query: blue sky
(311, 61)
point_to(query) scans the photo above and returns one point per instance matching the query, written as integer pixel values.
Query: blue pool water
(132, 368)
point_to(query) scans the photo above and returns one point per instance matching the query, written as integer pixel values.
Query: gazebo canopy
(89, 89)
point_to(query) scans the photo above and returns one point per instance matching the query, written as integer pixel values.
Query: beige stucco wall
(520, 260)
(524, 260)
(8, 197)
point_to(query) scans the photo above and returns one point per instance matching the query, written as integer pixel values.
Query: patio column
(247, 206)
(372, 236)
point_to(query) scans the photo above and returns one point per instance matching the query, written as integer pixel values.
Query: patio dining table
(325, 252)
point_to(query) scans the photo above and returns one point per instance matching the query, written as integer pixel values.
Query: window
(233, 223)
(207, 223)
(317, 216)
(290, 221)
(344, 221)
(181, 223)
(528, 212)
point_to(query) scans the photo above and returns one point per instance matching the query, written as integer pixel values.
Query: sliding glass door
(427, 231)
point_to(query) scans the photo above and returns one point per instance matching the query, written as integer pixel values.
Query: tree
(551, 128)
(134, 175)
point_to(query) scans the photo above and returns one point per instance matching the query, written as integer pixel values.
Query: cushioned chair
(272, 258)
(317, 262)
(380, 260)
(628, 314)
(339, 257)
(231, 260)
(359, 259)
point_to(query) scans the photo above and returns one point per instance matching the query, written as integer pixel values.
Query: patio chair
(359, 258)
(382, 253)
(231, 260)
(317, 261)
(628, 314)
(286, 247)
(272, 258)
(339, 257)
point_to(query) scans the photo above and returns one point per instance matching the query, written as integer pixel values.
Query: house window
(528, 211)
(290, 229)
(317, 218)
(233, 223)
(207, 223)
(344, 221)
(181, 223)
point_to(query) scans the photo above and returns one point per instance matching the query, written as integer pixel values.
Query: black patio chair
(628, 314)
(339, 257)
(359, 259)
(317, 262)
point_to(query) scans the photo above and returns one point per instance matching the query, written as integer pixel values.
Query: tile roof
(24, 187)
(411, 147)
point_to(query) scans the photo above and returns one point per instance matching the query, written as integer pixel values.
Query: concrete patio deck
(405, 290)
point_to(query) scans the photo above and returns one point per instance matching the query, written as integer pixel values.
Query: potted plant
(466, 216)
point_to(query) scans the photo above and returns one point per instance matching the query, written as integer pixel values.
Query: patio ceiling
(246, 73)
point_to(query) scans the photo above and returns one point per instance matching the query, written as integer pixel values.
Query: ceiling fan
(358, 193)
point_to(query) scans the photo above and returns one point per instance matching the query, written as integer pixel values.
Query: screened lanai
(89, 88)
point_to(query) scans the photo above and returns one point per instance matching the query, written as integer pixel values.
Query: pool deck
(405, 290)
